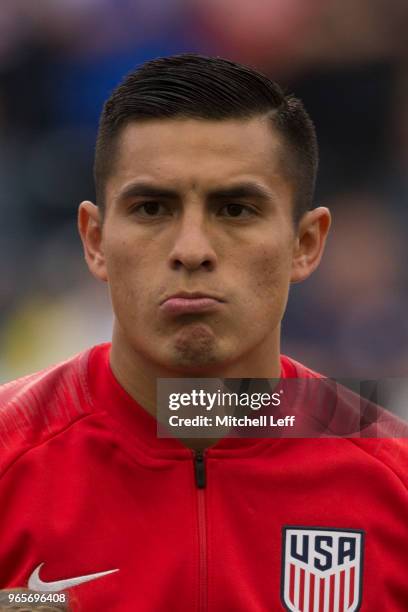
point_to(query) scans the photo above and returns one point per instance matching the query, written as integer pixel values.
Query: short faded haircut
(193, 86)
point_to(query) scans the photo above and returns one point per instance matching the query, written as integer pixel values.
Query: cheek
(127, 276)
(268, 278)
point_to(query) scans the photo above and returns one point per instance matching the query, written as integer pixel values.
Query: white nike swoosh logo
(36, 584)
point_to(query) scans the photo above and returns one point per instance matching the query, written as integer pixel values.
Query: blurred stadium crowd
(348, 61)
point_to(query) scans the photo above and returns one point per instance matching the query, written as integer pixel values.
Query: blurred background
(347, 60)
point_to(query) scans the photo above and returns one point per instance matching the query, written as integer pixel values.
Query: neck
(138, 375)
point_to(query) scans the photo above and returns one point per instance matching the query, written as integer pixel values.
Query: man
(204, 175)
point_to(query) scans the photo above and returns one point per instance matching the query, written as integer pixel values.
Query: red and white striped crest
(322, 569)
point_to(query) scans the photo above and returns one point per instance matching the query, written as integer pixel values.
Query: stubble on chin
(195, 345)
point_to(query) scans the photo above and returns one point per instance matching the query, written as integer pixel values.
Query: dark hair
(194, 86)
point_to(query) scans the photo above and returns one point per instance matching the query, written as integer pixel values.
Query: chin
(194, 348)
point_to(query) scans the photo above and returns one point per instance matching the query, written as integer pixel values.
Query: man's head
(191, 86)
(211, 198)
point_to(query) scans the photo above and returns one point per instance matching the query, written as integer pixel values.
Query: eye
(151, 209)
(234, 210)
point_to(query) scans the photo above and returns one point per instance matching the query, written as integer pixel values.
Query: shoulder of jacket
(37, 407)
(391, 452)
(383, 437)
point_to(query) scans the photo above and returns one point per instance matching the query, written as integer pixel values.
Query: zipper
(200, 479)
(199, 469)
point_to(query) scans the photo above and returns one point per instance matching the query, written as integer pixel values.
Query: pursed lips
(189, 303)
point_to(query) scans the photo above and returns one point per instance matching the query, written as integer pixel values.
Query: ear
(310, 242)
(90, 230)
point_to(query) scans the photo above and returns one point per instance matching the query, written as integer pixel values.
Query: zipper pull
(199, 469)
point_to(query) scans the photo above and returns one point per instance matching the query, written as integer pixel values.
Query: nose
(192, 248)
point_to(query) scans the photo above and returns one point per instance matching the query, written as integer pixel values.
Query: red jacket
(255, 525)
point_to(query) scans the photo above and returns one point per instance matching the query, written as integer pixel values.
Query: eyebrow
(239, 191)
(146, 190)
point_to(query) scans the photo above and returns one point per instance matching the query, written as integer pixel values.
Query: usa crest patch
(322, 569)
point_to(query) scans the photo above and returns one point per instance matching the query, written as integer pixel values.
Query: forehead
(187, 152)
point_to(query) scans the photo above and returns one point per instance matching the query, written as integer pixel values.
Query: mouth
(190, 303)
